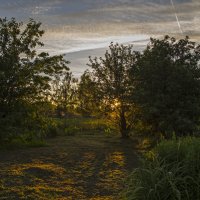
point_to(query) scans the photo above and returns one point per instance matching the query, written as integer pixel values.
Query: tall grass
(170, 172)
(82, 125)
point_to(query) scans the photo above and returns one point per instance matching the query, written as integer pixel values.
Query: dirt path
(73, 168)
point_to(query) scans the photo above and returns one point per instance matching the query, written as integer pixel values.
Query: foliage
(24, 74)
(26, 124)
(170, 171)
(64, 93)
(82, 126)
(167, 85)
(87, 93)
(25, 79)
(111, 78)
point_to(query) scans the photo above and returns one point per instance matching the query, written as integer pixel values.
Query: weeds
(80, 125)
(170, 171)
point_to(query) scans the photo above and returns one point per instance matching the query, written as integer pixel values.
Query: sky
(80, 28)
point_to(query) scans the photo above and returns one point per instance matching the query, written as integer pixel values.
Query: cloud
(82, 25)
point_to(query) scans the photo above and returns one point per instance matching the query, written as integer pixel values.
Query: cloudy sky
(80, 28)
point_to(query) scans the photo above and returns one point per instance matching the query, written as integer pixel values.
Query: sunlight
(116, 104)
(87, 86)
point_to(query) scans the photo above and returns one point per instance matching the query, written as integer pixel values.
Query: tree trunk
(123, 124)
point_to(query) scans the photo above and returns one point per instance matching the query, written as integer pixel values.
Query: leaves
(167, 85)
(24, 74)
(111, 77)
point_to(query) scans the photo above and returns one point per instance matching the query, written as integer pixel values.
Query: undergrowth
(169, 172)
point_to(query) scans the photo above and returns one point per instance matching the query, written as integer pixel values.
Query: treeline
(156, 91)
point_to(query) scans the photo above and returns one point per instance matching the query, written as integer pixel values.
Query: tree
(87, 93)
(64, 93)
(167, 85)
(25, 76)
(113, 88)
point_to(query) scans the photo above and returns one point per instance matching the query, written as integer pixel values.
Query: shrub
(171, 171)
(23, 128)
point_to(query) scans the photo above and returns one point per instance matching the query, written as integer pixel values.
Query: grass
(81, 125)
(81, 158)
(58, 127)
(17, 143)
(170, 171)
(85, 167)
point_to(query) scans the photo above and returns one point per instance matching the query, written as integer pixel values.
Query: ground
(83, 167)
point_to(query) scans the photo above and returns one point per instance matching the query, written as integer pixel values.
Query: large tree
(111, 78)
(26, 78)
(25, 75)
(167, 85)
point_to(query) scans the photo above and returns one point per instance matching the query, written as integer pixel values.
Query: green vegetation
(167, 82)
(144, 96)
(82, 125)
(154, 91)
(170, 171)
(111, 78)
(26, 80)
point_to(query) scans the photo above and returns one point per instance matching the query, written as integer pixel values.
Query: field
(79, 167)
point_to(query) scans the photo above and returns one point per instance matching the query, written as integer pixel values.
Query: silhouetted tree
(64, 93)
(167, 85)
(87, 95)
(25, 77)
(113, 86)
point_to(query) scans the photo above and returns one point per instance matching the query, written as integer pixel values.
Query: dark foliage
(167, 85)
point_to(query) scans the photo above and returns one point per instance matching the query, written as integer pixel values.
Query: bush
(83, 125)
(23, 128)
(171, 171)
(22, 141)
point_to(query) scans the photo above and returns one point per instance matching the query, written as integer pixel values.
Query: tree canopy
(159, 87)
(167, 85)
(25, 75)
(26, 78)
(64, 93)
(113, 85)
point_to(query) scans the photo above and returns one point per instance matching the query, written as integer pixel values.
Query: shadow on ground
(71, 168)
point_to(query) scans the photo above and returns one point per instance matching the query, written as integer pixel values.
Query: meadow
(87, 162)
